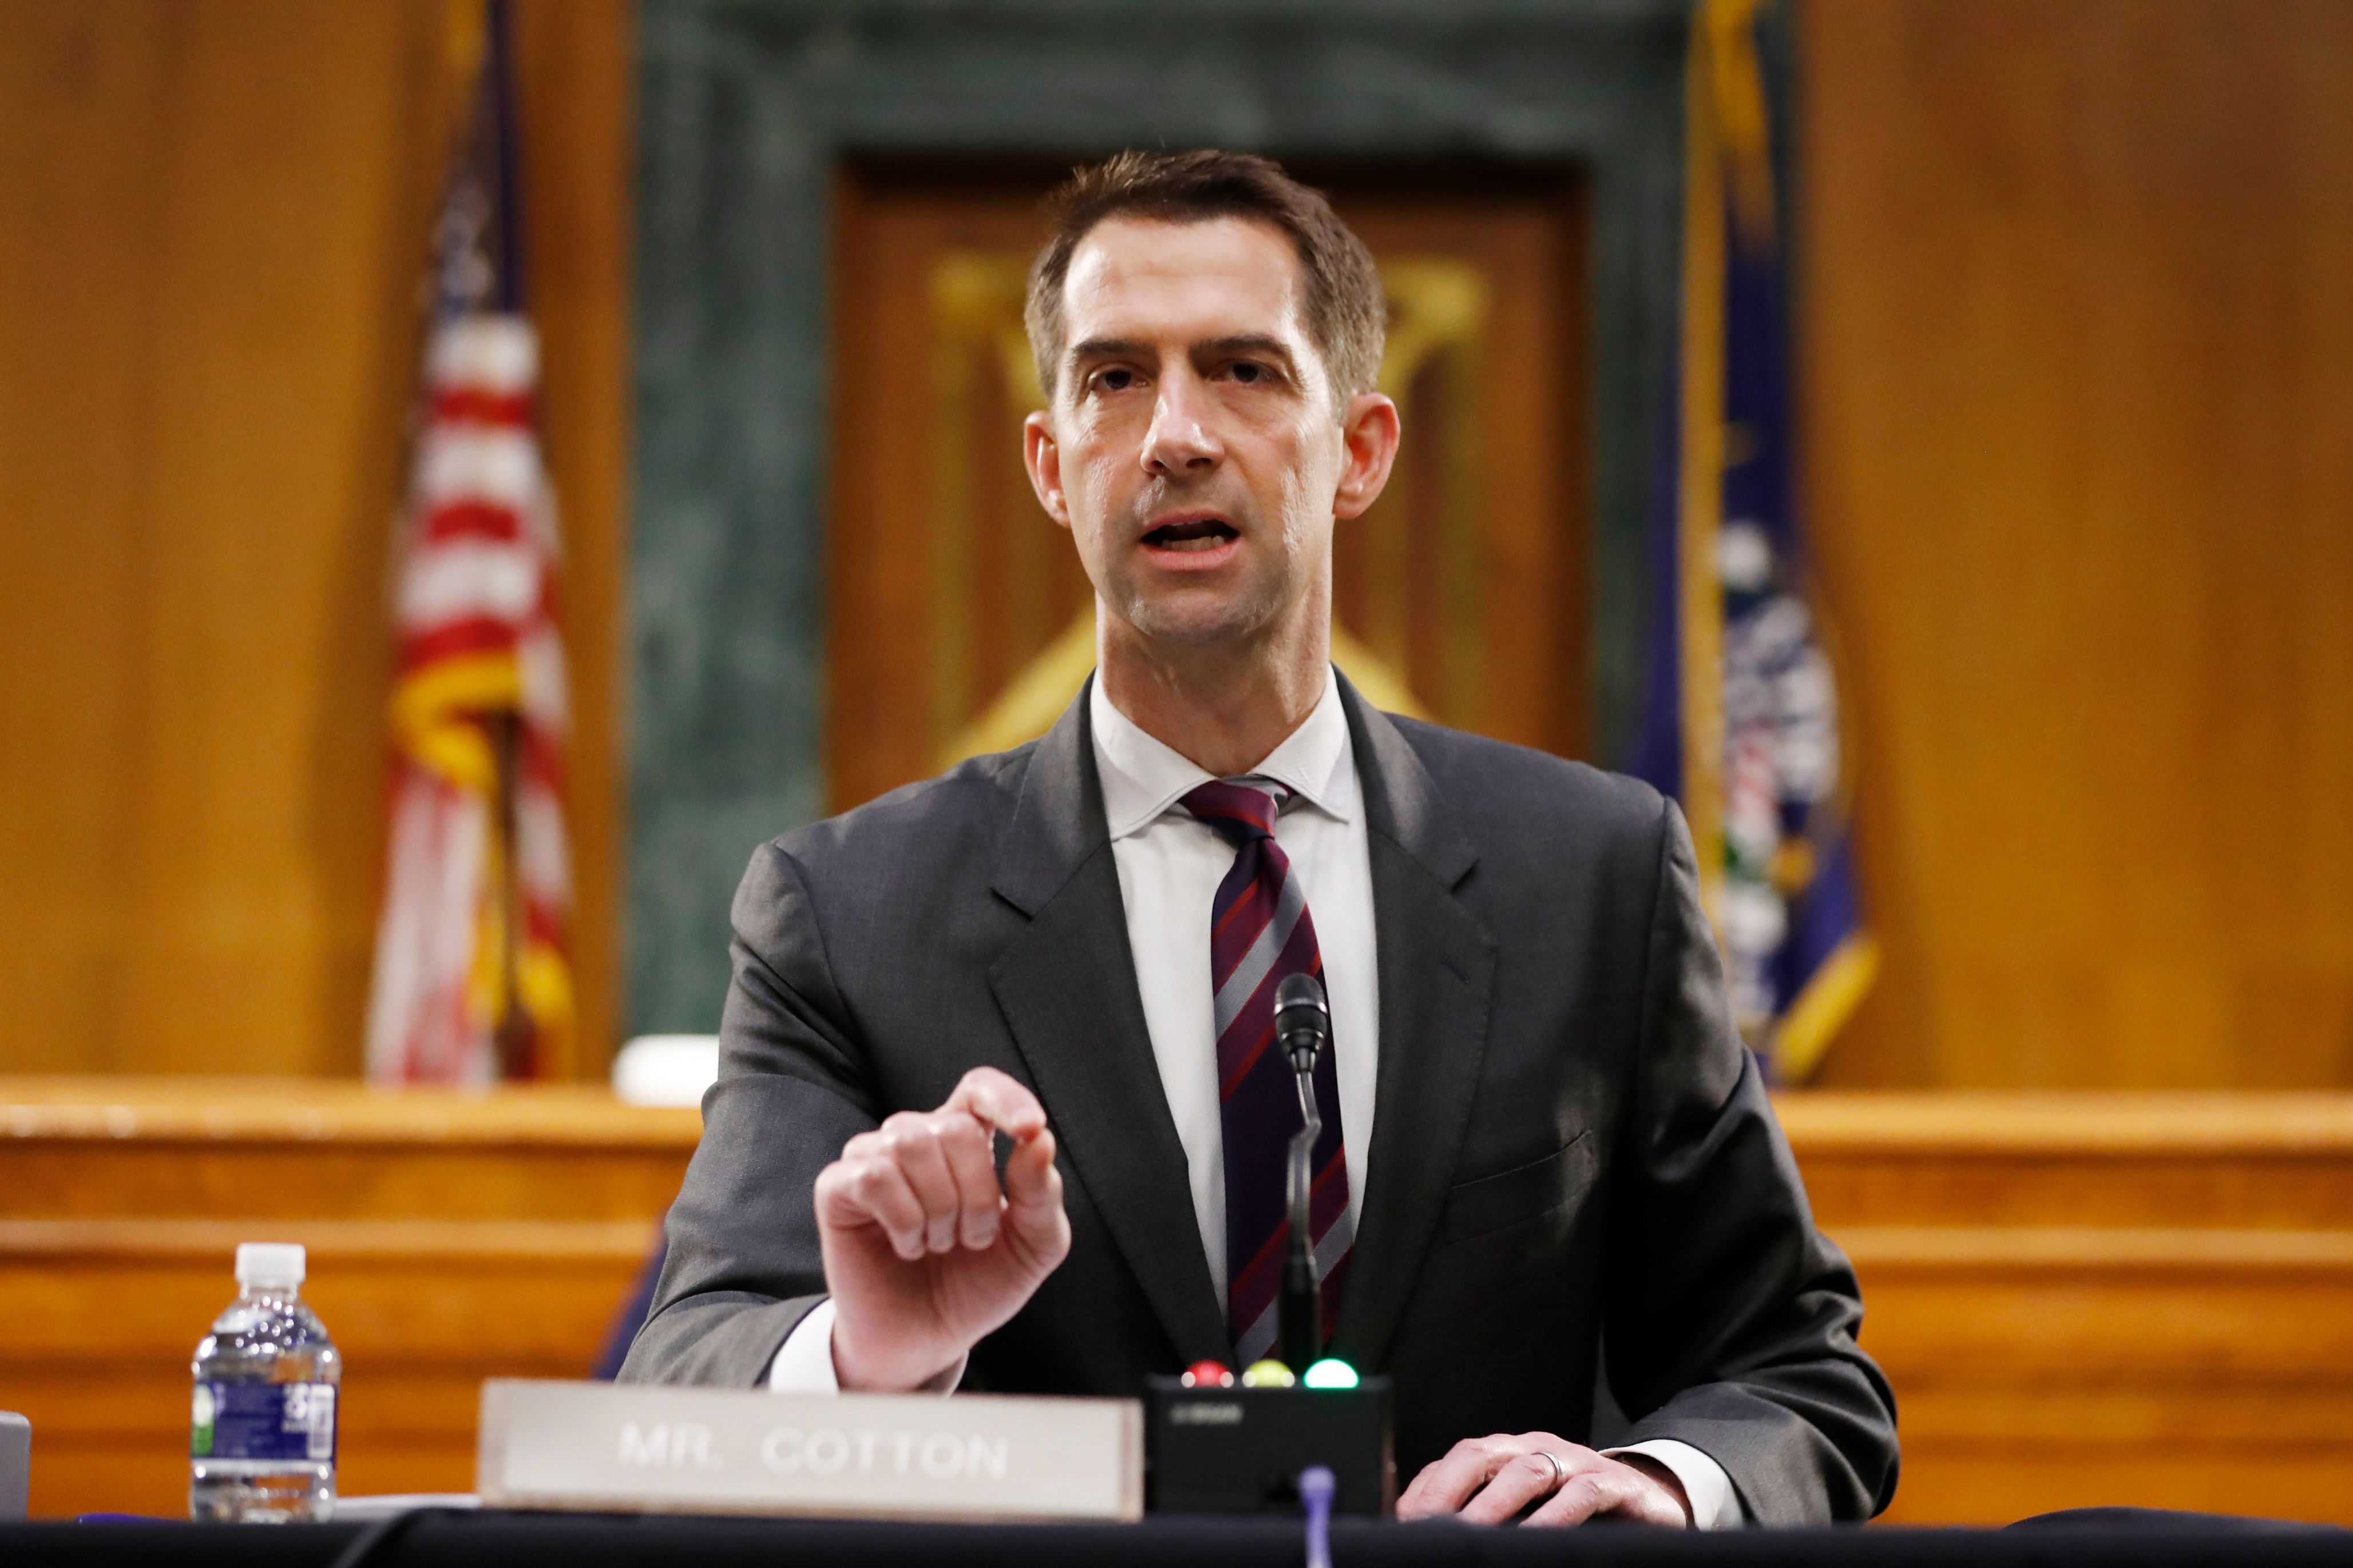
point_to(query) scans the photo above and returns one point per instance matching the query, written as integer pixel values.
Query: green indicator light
(1330, 1373)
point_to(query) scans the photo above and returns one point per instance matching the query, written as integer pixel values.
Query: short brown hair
(1347, 316)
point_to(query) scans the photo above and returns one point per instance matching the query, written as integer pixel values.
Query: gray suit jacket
(1570, 1146)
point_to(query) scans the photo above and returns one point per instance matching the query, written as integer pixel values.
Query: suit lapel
(1437, 969)
(1067, 988)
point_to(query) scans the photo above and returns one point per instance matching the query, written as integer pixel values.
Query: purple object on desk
(1316, 1488)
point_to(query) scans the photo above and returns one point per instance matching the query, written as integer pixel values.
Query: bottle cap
(265, 1265)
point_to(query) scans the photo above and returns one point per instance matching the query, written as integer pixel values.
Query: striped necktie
(1260, 932)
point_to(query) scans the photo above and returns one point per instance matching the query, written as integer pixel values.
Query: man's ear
(1369, 427)
(1042, 456)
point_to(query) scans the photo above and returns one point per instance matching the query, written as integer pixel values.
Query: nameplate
(605, 1447)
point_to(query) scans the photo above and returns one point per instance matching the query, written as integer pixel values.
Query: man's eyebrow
(1264, 343)
(1248, 344)
(1105, 348)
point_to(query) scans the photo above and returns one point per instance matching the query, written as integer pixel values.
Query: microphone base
(1240, 1450)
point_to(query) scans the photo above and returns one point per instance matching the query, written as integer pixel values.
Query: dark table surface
(491, 1540)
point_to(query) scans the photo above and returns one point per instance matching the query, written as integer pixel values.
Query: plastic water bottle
(261, 1431)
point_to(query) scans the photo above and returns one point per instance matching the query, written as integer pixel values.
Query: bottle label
(263, 1421)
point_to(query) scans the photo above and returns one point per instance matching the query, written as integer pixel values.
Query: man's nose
(1181, 440)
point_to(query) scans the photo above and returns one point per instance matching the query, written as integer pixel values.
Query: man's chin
(1199, 620)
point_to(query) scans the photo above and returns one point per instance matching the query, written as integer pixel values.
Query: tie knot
(1239, 812)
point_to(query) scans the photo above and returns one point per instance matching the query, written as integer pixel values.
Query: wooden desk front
(2080, 1299)
(2086, 1299)
(452, 1237)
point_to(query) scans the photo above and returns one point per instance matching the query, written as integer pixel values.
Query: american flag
(471, 980)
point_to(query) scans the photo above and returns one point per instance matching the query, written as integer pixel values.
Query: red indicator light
(1208, 1374)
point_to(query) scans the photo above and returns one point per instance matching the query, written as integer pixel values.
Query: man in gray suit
(1543, 1134)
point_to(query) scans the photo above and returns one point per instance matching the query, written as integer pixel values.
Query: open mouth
(1191, 534)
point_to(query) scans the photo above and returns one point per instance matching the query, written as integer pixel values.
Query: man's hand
(924, 1253)
(1488, 1480)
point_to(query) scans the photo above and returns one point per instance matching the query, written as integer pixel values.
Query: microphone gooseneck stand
(1319, 1438)
(1303, 1022)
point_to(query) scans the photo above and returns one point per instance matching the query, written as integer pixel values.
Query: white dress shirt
(1169, 867)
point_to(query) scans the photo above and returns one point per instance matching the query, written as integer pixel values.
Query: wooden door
(958, 619)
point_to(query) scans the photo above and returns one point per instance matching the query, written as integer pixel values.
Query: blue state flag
(1741, 720)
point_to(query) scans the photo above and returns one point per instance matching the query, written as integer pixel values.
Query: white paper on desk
(604, 1447)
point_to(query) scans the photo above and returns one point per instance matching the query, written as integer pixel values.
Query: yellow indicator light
(1268, 1373)
(1330, 1373)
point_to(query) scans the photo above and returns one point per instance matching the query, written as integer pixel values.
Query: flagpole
(472, 981)
(1700, 479)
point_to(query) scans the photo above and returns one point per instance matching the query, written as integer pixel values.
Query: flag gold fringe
(1822, 1008)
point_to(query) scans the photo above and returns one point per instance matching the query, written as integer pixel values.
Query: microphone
(1303, 1023)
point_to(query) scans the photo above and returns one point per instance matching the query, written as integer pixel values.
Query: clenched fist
(925, 1251)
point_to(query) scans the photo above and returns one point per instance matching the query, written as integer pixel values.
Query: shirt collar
(1144, 777)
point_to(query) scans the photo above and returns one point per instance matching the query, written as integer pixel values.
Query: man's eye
(1246, 371)
(1116, 380)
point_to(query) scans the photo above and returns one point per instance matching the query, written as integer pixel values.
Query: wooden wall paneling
(82, 107)
(246, 270)
(2078, 344)
(880, 556)
(1523, 675)
(210, 354)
